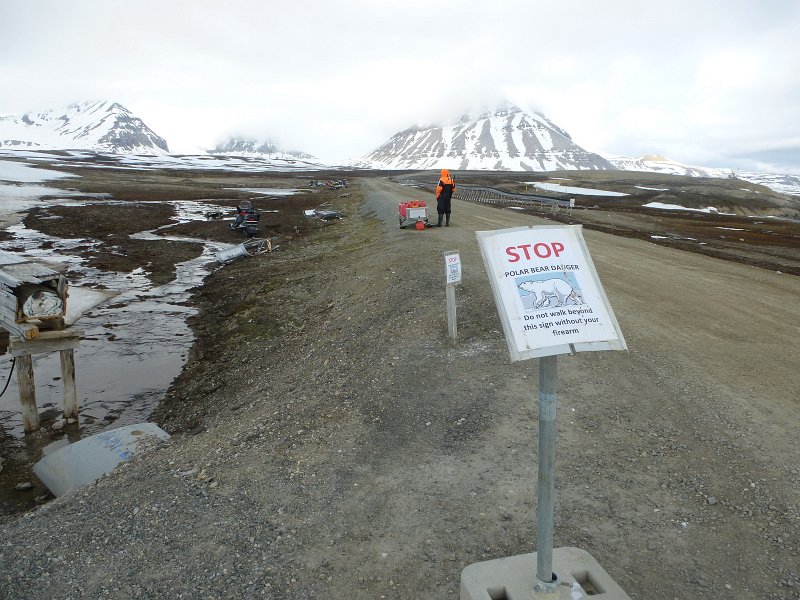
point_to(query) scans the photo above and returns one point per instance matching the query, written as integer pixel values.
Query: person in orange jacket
(444, 191)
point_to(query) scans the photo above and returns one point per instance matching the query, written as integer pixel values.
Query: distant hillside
(236, 146)
(650, 163)
(654, 163)
(101, 126)
(502, 139)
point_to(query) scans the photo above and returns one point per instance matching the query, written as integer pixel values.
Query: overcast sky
(704, 82)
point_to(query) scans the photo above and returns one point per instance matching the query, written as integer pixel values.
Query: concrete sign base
(514, 578)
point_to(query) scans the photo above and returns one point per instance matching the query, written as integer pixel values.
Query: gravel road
(329, 442)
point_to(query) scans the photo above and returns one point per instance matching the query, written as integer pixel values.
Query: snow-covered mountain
(654, 163)
(236, 146)
(786, 184)
(101, 126)
(502, 139)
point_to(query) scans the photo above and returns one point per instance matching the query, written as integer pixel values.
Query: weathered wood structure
(33, 306)
(32, 296)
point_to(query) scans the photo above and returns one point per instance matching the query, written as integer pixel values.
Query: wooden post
(70, 389)
(27, 393)
(62, 341)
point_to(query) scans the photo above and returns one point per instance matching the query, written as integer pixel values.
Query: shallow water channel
(135, 343)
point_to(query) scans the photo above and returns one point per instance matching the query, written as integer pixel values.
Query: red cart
(413, 213)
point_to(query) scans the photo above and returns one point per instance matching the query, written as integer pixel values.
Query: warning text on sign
(547, 291)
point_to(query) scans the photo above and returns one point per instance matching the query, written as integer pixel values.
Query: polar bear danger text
(547, 291)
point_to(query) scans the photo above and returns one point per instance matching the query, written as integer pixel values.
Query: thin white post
(452, 324)
(452, 276)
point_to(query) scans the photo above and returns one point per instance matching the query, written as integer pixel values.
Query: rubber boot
(439, 224)
(447, 220)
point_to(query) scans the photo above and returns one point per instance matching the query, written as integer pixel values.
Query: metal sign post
(546, 579)
(452, 270)
(550, 302)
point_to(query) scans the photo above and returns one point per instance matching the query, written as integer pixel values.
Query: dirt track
(330, 443)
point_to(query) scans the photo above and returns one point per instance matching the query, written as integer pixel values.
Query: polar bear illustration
(547, 289)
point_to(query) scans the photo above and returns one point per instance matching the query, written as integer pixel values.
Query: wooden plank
(31, 270)
(8, 308)
(27, 393)
(35, 346)
(46, 341)
(62, 289)
(25, 331)
(7, 314)
(72, 332)
(9, 300)
(70, 390)
(9, 280)
(23, 274)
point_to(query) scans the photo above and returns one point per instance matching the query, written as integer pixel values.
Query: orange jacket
(446, 184)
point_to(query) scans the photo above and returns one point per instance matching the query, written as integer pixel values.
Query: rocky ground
(329, 441)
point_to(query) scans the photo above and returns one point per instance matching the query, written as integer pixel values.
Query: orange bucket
(420, 225)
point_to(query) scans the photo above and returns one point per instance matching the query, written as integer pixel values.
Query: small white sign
(547, 292)
(452, 267)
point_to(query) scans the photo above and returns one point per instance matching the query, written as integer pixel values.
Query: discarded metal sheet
(249, 248)
(85, 461)
(323, 214)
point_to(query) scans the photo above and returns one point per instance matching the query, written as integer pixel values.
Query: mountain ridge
(653, 163)
(504, 138)
(98, 125)
(251, 147)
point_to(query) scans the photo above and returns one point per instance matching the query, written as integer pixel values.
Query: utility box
(33, 296)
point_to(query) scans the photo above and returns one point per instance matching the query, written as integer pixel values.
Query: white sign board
(452, 267)
(547, 292)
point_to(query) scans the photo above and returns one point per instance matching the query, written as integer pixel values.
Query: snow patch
(21, 173)
(269, 191)
(565, 189)
(663, 206)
